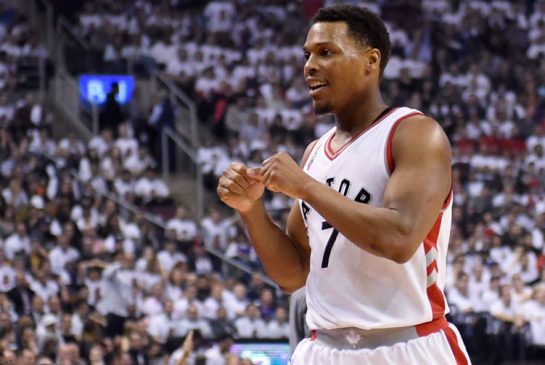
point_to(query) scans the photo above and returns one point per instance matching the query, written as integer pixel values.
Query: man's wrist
(306, 189)
(255, 206)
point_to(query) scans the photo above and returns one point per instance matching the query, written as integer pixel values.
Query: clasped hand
(241, 187)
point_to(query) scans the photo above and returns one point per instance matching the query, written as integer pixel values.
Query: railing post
(60, 45)
(194, 127)
(50, 25)
(43, 78)
(200, 192)
(95, 126)
(164, 154)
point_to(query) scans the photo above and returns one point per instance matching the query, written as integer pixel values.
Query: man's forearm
(280, 256)
(379, 231)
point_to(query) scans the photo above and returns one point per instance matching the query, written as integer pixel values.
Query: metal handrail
(75, 119)
(182, 144)
(167, 132)
(63, 23)
(240, 266)
(50, 35)
(126, 205)
(43, 77)
(31, 8)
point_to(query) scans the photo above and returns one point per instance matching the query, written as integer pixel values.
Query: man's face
(38, 303)
(20, 280)
(28, 358)
(21, 229)
(335, 69)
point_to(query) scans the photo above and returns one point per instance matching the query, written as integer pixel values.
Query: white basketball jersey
(347, 286)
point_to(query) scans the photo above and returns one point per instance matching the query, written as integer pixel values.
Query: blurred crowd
(85, 280)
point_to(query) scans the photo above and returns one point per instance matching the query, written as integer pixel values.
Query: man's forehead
(327, 32)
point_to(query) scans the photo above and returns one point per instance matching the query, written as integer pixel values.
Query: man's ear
(373, 60)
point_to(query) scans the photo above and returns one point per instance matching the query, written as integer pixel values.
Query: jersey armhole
(308, 152)
(390, 164)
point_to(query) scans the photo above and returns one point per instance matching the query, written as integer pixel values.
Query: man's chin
(322, 108)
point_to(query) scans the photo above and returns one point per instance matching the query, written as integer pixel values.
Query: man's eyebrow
(317, 44)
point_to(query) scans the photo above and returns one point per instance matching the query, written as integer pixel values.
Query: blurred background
(117, 118)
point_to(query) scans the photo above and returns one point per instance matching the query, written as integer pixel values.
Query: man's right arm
(285, 256)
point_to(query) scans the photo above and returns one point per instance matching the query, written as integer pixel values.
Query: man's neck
(360, 114)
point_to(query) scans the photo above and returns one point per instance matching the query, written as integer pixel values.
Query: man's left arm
(413, 199)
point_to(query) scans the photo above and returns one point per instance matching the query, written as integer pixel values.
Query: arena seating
(82, 278)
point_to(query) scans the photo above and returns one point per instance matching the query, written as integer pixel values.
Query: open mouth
(317, 86)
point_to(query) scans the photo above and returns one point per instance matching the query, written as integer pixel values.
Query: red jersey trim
(435, 295)
(331, 154)
(449, 198)
(459, 355)
(389, 158)
(432, 326)
(441, 324)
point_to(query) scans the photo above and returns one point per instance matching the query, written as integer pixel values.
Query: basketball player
(369, 230)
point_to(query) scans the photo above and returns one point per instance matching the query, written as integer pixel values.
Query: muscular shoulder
(420, 137)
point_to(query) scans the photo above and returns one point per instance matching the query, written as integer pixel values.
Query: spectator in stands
(266, 304)
(21, 295)
(183, 225)
(61, 255)
(14, 194)
(215, 355)
(241, 250)
(150, 188)
(221, 325)
(216, 229)
(192, 321)
(161, 117)
(190, 298)
(117, 296)
(18, 242)
(250, 325)
(510, 336)
(279, 327)
(47, 331)
(490, 101)
(27, 357)
(161, 325)
(201, 262)
(111, 114)
(96, 355)
(169, 257)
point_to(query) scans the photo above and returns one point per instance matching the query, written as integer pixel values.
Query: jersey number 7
(362, 197)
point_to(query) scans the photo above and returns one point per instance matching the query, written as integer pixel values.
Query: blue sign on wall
(94, 88)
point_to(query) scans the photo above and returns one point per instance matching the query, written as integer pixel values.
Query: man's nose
(311, 67)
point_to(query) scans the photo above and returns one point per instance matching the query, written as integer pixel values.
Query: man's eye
(325, 52)
(307, 55)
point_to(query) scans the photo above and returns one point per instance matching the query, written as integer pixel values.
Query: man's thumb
(254, 173)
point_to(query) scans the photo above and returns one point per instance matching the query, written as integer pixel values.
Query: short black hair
(364, 25)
